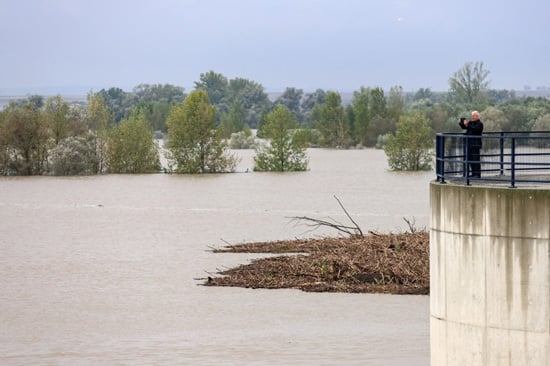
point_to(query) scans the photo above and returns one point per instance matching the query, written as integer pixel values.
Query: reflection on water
(101, 270)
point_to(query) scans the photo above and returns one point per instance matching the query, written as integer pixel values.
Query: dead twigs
(347, 229)
(387, 263)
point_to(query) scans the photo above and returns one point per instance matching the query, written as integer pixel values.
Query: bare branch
(349, 217)
(316, 223)
(412, 227)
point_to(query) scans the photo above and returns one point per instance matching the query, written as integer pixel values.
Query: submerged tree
(233, 121)
(244, 139)
(379, 123)
(361, 114)
(99, 118)
(24, 141)
(331, 122)
(131, 148)
(194, 144)
(286, 148)
(410, 147)
(74, 155)
(56, 114)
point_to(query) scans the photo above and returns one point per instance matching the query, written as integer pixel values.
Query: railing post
(513, 163)
(437, 170)
(501, 139)
(464, 156)
(443, 157)
(440, 157)
(466, 166)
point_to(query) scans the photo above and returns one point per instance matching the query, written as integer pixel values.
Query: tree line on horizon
(114, 131)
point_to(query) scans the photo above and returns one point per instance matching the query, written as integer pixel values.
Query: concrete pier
(489, 275)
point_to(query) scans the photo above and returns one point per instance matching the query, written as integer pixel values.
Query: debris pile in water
(396, 263)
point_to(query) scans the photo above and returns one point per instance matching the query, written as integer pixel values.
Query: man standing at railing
(473, 144)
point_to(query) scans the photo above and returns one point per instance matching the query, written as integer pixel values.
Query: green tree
(24, 140)
(77, 120)
(523, 112)
(242, 140)
(500, 96)
(542, 123)
(4, 147)
(118, 102)
(310, 105)
(154, 101)
(155, 113)
(362, 117)
(442, 118)
(410, 147)
(233, 121)
(156, 98)
(379, 123)
(494, 119)
(74, 155)
(350, 119)
(292, 99)
(194, 144)
(378, 127)
(396, 104)
(56, 114)
(251, 96)
(286, 150)
(469, 85)
(332, 123)
(131, 148)
(378, 104)
(160, 93)
(98, 119)
(423, 93)
(215, 84)
(37, 101)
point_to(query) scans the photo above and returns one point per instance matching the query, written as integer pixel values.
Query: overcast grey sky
(330, 44)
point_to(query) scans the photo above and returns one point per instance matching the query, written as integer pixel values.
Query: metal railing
(505, 158)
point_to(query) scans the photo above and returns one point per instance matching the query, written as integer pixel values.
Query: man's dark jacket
(474, 128)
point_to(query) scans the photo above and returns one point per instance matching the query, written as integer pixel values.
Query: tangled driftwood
(387, 263)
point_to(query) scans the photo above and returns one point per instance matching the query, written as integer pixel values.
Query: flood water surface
(104, 270)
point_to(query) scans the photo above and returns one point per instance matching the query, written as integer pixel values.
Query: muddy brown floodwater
(102, 270)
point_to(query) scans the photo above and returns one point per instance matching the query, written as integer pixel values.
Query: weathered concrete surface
(489, 275)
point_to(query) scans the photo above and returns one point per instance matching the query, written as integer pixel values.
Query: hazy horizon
(67, 47)
(77, 91)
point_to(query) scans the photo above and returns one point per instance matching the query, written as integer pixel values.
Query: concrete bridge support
(490, 275)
